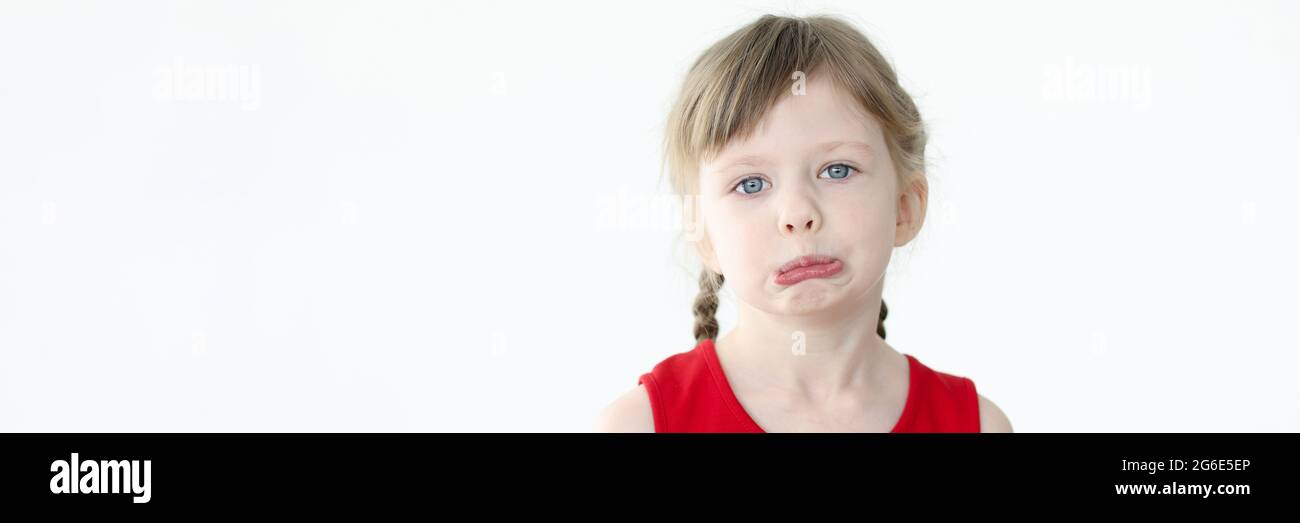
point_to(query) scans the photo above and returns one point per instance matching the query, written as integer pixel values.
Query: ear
(913, 197)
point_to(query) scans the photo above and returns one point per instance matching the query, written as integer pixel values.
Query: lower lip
(821, 270)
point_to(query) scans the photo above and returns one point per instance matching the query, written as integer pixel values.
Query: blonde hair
(738, 79)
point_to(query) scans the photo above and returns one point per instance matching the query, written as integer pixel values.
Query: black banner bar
(324, 472)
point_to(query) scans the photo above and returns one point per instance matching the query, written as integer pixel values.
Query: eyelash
(851, 169)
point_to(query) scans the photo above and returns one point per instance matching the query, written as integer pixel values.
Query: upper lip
(804, 261)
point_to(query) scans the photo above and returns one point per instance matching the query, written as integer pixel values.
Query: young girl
(805, 162)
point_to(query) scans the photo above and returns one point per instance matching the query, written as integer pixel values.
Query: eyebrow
(831, 146)
(758, 160)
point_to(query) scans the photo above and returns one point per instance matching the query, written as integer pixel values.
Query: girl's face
(815, 177)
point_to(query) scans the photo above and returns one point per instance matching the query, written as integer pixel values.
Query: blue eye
(751, 185)
(837, 171)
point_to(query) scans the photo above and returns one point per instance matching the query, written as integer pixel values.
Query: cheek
(738, 242)
(868, 217)
(865, 226)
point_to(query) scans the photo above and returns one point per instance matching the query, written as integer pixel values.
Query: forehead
(799, 125)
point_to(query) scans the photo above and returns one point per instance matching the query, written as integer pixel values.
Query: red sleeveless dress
(689, 393)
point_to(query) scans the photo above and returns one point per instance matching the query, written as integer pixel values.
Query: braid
(880, 325)
(706, 305)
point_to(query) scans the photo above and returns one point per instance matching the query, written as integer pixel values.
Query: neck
(812, 355)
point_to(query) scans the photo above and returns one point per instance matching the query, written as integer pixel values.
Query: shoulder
(992, 419)
(630, 412)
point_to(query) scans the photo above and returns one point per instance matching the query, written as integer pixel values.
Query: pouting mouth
(804, 261)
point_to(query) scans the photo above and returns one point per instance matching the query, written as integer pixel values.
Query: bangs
(753, 70)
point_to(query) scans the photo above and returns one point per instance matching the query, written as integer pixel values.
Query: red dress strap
(687, 394)
(944, 402)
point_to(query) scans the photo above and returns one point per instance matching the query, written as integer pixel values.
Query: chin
(809, 297)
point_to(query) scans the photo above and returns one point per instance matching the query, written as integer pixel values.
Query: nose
(800, 223)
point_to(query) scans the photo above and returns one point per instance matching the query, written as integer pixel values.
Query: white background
(448, 216)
